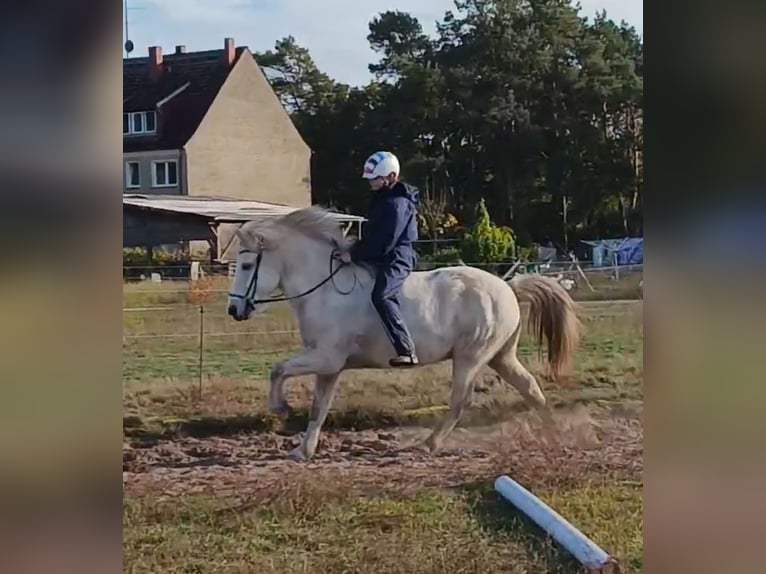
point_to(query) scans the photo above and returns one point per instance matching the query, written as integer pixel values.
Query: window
(137, 123)
(132, 175)
(164, 173)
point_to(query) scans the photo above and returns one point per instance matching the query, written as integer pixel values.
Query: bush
(167, 262)
(528, 253)
(446, 256)
(487, 243)
(203, 291)
(136, 257)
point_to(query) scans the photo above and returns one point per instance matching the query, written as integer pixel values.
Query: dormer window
(139, 123)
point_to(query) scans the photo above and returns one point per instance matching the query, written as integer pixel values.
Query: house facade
(209, 124)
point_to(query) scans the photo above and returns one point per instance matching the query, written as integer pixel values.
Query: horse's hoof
(282, 411)
(433, 444)
(297, 455)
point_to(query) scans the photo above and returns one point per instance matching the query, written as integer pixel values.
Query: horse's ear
(348, 241)
(248, 238)
(242, 235)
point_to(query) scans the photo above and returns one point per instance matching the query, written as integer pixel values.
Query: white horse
(459, 313)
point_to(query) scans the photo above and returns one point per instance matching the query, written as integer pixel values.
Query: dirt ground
(215, 496)
(603, 444)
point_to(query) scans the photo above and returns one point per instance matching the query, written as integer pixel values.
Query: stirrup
(404, 361)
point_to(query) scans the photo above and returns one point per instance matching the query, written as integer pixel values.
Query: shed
(153, 220)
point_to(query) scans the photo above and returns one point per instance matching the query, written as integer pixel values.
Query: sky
(334, 31)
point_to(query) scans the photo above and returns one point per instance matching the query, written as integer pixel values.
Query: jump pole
(579, 545)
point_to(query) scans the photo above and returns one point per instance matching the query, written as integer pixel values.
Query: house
(209, 124)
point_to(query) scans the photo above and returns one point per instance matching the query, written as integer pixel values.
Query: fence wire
(168, 334)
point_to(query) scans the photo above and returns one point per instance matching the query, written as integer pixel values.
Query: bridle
(252, 286)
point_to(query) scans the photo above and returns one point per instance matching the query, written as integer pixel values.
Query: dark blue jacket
(391, 229)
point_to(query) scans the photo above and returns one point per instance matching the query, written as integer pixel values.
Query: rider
(387, 244)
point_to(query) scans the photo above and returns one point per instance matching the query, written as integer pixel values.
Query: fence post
(201, 342)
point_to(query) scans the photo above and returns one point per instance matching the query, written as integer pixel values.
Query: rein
(253, 285)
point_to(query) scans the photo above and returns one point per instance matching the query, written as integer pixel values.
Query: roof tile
(179, 117)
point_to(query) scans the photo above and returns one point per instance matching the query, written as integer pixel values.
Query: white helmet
(380, 164)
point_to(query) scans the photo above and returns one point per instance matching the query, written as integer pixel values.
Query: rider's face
(380, 182)
(377, 183)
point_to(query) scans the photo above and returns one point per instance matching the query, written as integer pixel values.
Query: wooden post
(149, 260)
(212, 250)
(201, 343)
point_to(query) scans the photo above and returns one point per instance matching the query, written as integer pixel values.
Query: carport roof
(218, 209)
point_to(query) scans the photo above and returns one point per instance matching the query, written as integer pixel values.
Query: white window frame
(143, 131)
(154, 172)
(128, 185)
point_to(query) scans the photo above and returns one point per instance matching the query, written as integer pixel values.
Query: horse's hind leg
(508, 366)
(464, 372)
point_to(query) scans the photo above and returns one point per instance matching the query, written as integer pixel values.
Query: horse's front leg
(311, 362)
(324, 389)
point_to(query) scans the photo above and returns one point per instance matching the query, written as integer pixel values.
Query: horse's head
(257, 273)
(291, 252)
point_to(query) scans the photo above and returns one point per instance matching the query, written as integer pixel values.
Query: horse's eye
(247, 266)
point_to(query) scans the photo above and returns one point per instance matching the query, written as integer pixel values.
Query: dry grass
(350, 512)
(606, 287)
(315, 529)
(367, 511)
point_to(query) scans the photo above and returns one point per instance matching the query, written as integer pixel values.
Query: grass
(606, 287)
(161, 375)
(310, 522)
(321, 529)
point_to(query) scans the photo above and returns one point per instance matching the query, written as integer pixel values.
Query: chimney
(155, 62)
(228, 50)
(180, 49)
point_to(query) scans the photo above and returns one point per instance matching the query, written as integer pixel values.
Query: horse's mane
(314, 222)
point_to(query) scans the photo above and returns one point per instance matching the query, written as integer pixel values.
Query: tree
(519, 109)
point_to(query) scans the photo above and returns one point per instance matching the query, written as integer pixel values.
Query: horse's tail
(553, 316)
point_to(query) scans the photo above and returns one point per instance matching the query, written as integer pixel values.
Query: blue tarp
(627, 251)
